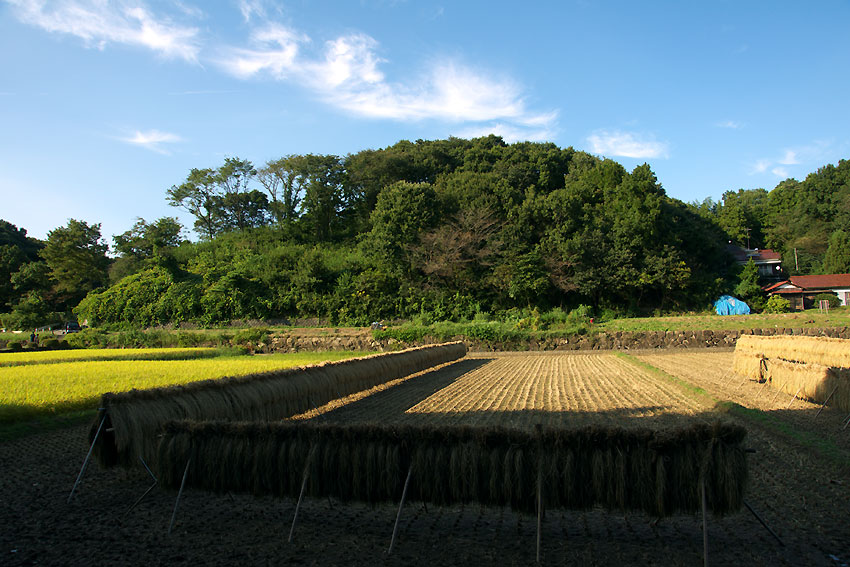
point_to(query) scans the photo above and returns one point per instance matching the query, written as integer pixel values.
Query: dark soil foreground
(803, 500)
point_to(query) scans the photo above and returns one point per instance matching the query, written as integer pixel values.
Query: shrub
(88, 338)
(53, 344)
(402, 334)
(830, 297)
(777, 304)
(15, 345)
(251, 336)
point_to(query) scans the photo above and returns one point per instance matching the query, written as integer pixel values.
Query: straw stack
(818, 350)
(134, 418)
(811, 367)
(654, 471)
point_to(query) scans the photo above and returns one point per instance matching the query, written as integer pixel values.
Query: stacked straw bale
(811, 367)
(134, 418)
(654, 471)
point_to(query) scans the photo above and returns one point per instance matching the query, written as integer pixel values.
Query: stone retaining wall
(621, 340)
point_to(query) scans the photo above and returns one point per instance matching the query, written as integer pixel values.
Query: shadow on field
(398, 399)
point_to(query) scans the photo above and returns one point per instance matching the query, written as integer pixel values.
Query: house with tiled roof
(800, 290)
(768, 262)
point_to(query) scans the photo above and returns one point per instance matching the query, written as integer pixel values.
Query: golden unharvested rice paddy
(54, 356)
(35, 389)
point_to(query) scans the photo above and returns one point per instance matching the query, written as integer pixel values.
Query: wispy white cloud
(814, 153)
(731, 124)
(202, 92)
(626, 144)
(760, 166)
(509, 132)
(252, 8)
(153, 140)
(346, 73)
(790, 158)
(100, 22)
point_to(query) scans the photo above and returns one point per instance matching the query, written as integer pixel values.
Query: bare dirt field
(802, 496)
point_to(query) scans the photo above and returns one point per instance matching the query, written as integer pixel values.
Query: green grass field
(44, 390)
(805, 319)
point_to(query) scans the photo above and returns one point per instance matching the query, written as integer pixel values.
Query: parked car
(72, 327)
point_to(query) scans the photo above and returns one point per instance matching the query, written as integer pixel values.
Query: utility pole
(796, 265)
(748, 238)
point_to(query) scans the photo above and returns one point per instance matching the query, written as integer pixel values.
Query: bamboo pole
(750, 508)
(301, 494)
(778, 391)
(539, 508)
(400, 506)
(179, 494)
(88, 456)
(704, 523)
(794, 398)
(139, 500)
(827, 400)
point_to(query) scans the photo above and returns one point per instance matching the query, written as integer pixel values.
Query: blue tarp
(728, 305)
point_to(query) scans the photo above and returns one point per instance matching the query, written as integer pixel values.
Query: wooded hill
(811, 216)
(433, 230)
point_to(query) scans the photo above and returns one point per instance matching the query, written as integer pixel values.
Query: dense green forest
(432, 230)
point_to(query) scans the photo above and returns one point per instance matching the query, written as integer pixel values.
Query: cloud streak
(346, 73)
(811, 153)
(626, 144)
(153, 140)
(100, 22)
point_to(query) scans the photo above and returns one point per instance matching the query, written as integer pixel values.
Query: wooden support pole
(794, 398)
(400, 506)
(179, 494)
(300, 498)
(539, 508)
(827, 400)
(750, 508)
(778, 391)
(704, 523)
(147, 468)
(142, 497)
(846, 422)
(88, 456)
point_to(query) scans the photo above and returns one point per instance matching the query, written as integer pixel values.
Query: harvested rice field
(801, 495)
(522, 391)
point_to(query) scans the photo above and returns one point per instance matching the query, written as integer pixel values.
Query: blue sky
(104, 105)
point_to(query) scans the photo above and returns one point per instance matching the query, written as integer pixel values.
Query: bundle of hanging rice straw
(811, 367)
(133, 419)
(654, 471)
(749, 365)
(814, 382)
(818, 350)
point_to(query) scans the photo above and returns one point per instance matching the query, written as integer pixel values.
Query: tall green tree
(748, 288)
(199, 195)
(76, 256)
(403, 212)
(146, 240)
(837, 258)
(284, 180)
(328, 203)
